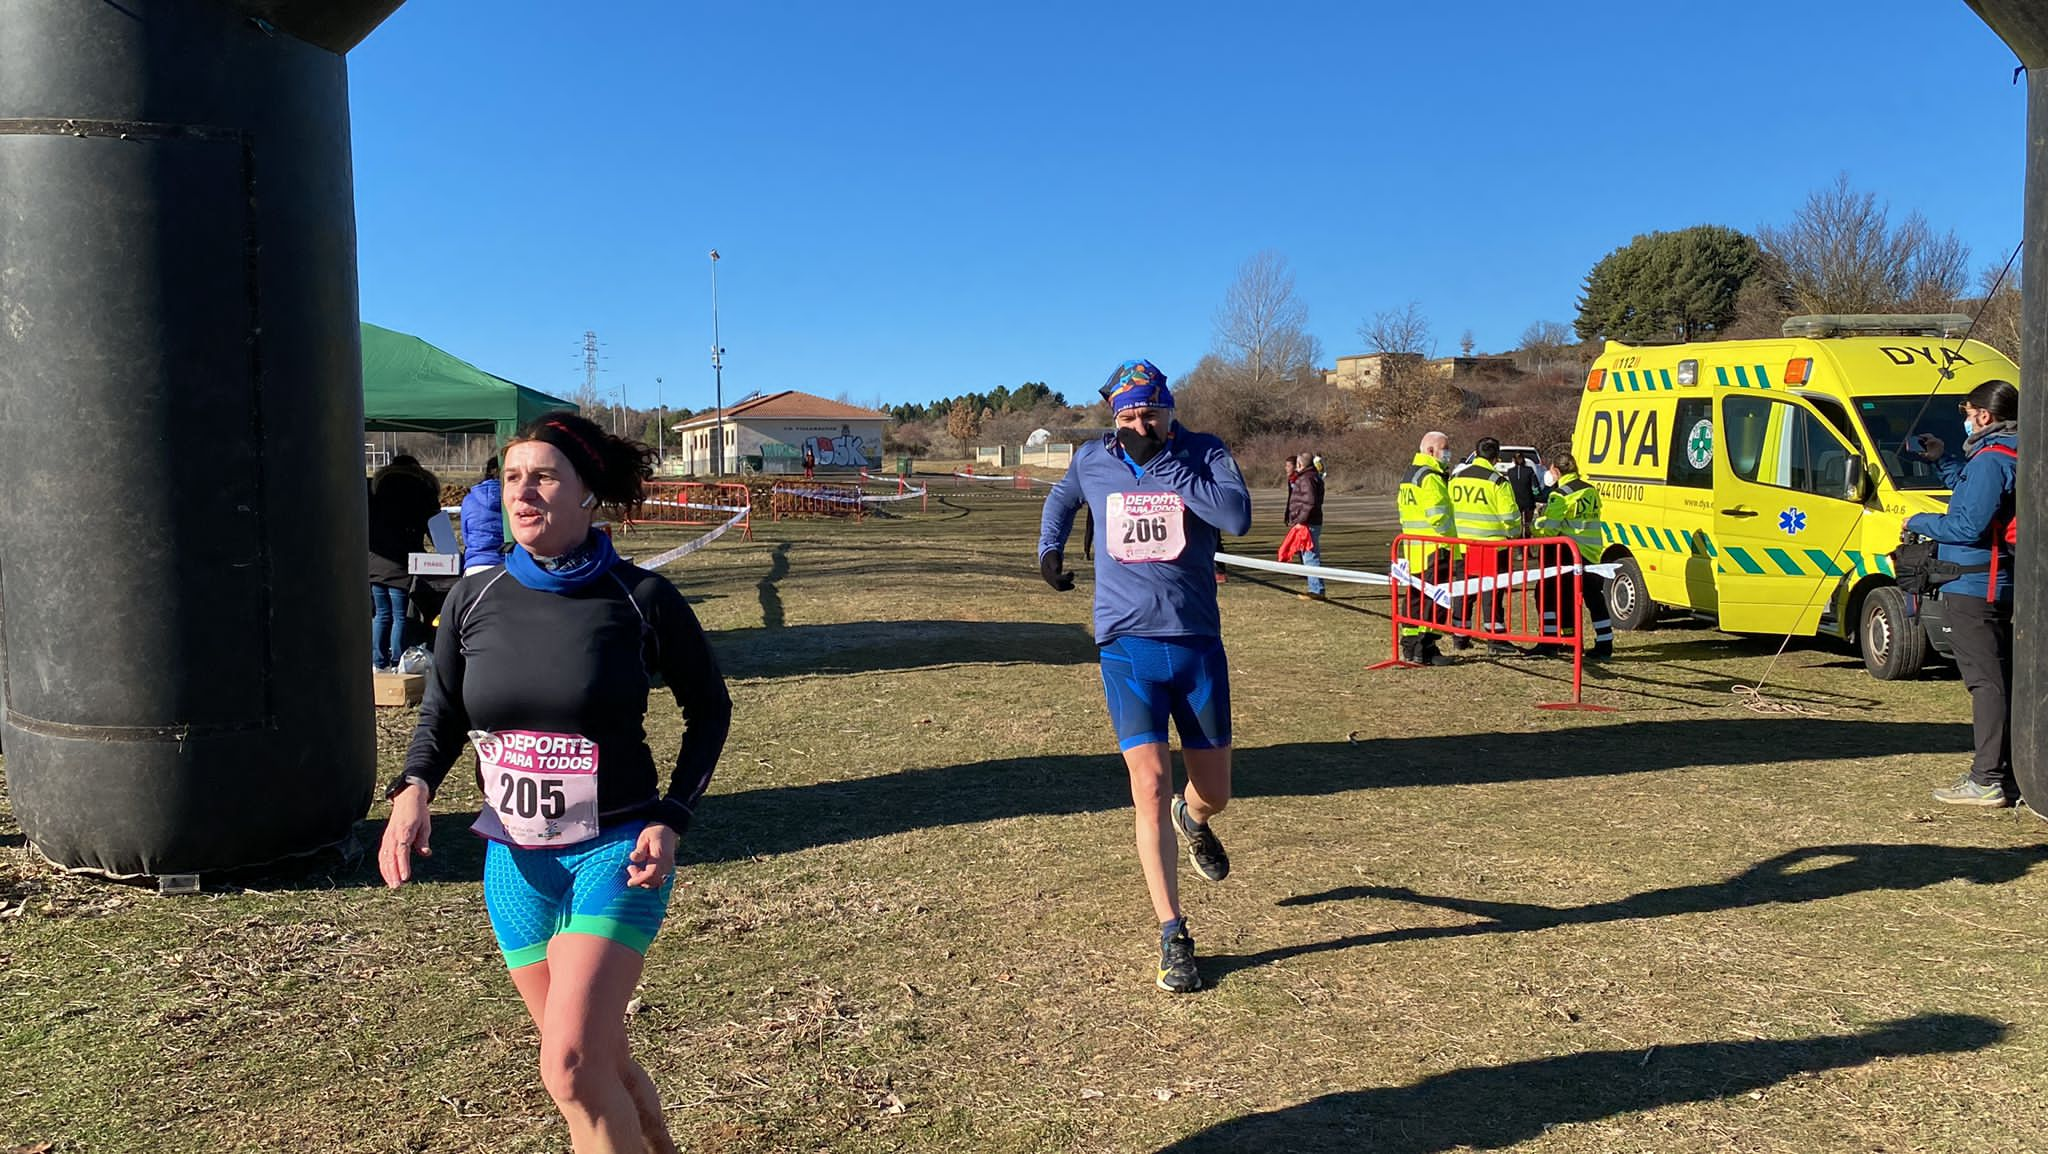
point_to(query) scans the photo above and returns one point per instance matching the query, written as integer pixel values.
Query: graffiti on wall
(848, 449)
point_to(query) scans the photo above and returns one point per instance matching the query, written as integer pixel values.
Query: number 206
(1153, 529)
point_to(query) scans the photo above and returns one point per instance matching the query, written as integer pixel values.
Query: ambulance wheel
(1893, 644)
(1630, 606)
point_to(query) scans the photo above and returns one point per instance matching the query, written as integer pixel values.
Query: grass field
(911, 920)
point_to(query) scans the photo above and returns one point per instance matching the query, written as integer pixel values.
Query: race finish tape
(689, 547)
(1441, 594)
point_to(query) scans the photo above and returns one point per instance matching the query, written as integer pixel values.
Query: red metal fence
(1499, 591)
(695, 503)
(799, 498)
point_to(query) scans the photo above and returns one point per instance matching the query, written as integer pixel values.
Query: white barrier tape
(1323, 572)
(876, 499)
(1441, 594)
(821, 495)
(689, 547)
(695, 505)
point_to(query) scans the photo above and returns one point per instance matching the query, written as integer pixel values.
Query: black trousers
(1981, 633)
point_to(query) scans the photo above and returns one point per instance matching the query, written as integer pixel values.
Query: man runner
(1161, 498)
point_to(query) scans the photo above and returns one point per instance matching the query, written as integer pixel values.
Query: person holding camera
(1974, 537)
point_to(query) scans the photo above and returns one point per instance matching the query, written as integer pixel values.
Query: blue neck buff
(568, 573)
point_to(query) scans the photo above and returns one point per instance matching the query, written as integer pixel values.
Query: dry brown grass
(912, 921)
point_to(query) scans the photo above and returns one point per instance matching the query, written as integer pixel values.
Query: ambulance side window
(1744, 420)
(1692, 445)
(1819, 457)
(1778, 443)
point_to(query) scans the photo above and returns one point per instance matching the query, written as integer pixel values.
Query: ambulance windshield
(1891, 419)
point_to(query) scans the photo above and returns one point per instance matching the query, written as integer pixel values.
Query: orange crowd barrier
(695, 503)
(1491, 591)
(799, 498)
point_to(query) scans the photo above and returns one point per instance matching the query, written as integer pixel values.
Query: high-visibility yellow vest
(1483, 503)
(1573, 510)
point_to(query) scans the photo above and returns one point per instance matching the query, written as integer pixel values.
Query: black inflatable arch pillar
(183, 612)
(2023, 24)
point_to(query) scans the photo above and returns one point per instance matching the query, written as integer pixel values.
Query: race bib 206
(1145, 526)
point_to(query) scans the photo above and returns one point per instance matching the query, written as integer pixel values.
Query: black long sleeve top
(509, 657)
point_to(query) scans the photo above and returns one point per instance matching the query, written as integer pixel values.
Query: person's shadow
(1848, 869)
(1490, 1107)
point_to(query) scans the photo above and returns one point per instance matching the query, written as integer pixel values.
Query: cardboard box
(434, 564)
(399, 688)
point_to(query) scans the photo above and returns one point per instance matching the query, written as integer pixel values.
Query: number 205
(529, 798)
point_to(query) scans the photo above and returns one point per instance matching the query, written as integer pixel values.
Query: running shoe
(1177, 973)
(1967, 792)
(1205, 850)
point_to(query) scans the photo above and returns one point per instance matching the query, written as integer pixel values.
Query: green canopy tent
(409, 386)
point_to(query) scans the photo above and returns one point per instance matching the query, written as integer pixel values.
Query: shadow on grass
(871, 646)
(1831, 871)
(785, 819)
(1490, 1107)
(1612, 676)
(771, 598)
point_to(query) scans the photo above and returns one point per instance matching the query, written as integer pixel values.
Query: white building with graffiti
(769, 433)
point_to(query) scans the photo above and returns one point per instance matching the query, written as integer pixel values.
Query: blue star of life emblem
(1792, 522)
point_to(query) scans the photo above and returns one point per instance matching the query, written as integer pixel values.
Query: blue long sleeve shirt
(1981, 488)
(1172, 598)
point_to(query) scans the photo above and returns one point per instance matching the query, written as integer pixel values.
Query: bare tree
(1263, 375)
(1998, 311)
(1262, 327)
(1546, 344)
(1404, 331)
(1841, 254)
(1466, 344)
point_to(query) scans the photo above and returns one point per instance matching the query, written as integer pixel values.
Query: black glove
(1049, 567)
(1139, 447)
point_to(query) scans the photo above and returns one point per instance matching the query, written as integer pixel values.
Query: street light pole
(660, 426)
(717, 371)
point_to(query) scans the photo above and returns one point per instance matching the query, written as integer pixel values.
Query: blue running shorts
(534, 894)
(1148, 679)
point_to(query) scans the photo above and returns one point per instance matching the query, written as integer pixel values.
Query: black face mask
(1140, 447)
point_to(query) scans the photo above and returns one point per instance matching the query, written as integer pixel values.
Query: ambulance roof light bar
(1878, 325)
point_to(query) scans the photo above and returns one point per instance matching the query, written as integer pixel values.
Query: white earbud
(590, 501)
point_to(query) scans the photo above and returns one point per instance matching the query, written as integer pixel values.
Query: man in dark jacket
(402, 496)
(1528, 490)
(1305, 507)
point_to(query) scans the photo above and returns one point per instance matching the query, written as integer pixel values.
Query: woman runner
(543, 664)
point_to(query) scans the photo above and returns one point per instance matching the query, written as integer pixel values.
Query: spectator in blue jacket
(1161, 498)
(483, 522)
(1978, 611)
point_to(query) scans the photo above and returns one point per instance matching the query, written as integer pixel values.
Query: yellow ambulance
(1761, 483)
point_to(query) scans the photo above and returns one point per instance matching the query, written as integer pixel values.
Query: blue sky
(917, 200)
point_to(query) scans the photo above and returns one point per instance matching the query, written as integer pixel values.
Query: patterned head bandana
(1136, 383)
